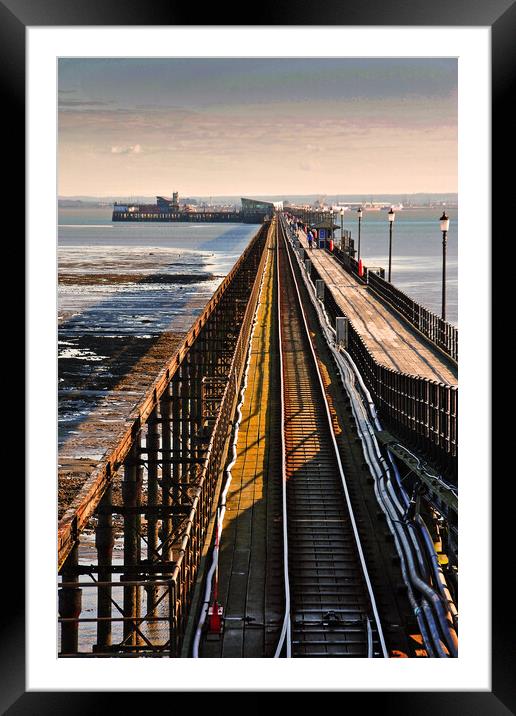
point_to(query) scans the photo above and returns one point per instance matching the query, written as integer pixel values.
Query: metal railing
(441, 333)
(349, 263)
(183, 578)
(421, 411)
(177, 436)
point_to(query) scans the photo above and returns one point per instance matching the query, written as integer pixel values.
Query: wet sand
(81, 451)
(115, 335)
(126, 298)
(91, 279)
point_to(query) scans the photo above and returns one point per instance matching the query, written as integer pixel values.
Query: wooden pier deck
(389, 338)
(250, 562)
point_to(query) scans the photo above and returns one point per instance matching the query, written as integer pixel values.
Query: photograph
(250, 249)
(258, 357)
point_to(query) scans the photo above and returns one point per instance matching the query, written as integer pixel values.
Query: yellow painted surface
(252, 446)
(244, 568)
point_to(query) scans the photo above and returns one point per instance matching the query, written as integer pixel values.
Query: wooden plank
(390, 339)
(243, 552)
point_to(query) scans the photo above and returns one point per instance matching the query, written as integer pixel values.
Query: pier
(198, 217)
(251, 212)
(390, 339)
(288, 485)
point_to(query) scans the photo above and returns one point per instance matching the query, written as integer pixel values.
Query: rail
(340, 618)
(211, 586)
(427, 589)
(421, 411)
(237, 217)
(349, 263)
(217, 344)
(439, 332)
(76, 517)
(182, 578)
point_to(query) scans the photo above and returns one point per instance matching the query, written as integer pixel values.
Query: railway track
(330, 605)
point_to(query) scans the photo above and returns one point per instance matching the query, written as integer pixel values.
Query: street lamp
(391, 216)
(331, 217)
(445, 225)
(342, 229)
(359, 212)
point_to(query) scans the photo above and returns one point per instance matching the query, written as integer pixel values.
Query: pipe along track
(330, 605)
(221, 510)
(427, 590)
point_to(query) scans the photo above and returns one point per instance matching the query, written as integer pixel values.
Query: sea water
(194, 258)
(124, 284)
(417, 255)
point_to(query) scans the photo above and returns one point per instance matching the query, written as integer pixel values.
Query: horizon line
(315, 193)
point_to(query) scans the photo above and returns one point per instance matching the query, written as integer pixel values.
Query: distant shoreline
(96, 204)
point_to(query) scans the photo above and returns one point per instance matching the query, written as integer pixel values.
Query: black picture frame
(500, 16)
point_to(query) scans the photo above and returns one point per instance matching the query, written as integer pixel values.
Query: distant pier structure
(169, 209)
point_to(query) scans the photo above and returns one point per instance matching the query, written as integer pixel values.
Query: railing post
(131, 492)
(152, 444)
(185, 417)
(176, 444)
(104, 542)
(166, 472)
(172, 619)
(70, 604)
(342, 328)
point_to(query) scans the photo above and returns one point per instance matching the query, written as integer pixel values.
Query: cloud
(132, 149)
(81, 103)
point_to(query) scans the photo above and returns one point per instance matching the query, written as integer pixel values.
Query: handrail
(443, 334)
(86, 501)
(422, 411)
(199, 519)
(439, 332)
(336, 452)
(348, 262)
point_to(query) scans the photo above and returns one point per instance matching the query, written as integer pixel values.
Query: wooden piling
(70, 604)
(131, 495)
(166, 472)
(153, 441)
(104, 542)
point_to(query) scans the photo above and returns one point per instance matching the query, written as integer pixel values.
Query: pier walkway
(389, 338)
(250, 561)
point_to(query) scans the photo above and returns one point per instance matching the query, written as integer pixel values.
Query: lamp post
(331, 230)
(391, 216)
(445, 225)
(359, 212)
(342, 229)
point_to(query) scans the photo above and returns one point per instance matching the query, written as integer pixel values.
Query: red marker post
(215, 611)
(360, 268)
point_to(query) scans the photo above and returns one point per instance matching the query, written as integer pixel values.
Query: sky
(258, 126)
